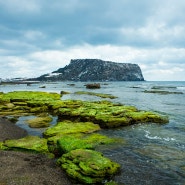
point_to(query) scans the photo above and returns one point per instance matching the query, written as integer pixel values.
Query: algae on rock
(69, 127)
(28, 143)
(39, 122)
(101, 95)
(26, 102)
(68, 143)
(107, 114)
(87, 166)
(104, 113)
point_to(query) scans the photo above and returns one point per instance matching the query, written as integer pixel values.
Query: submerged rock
(93, 86)
(96, 94)
(39, 122)
(162, 92)
(87, 166)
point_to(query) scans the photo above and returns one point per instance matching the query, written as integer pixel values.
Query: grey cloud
(33, 26)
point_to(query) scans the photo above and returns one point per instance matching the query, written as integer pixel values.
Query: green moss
(96, 94)
(87, 166)
(26, 101)
(87, 141)
(2, 147)
(68, 143)
(39, 122)
(68, 127)
(104, 113)
(145, 117)
(53, 140)
(29, 143)
(107, 114)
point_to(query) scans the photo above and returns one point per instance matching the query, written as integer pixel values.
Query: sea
(151, 154)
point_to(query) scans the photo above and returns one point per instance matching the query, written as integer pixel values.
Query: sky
(40, 36)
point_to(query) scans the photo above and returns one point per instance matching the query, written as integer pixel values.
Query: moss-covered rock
(18, 102)
(86, 141)
(68, 127)
(145, 116)
(2, 147)
(29, 143)
(107, 114)
(23, 96)
(67, 143)
(101, 95)
(39, 122)
(104, 113)
(87, 166)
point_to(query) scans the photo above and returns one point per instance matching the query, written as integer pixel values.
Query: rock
(71, 142)
(71, 84)
(162, 92)
(68, 143)
(87, 166)
(9, 130)
(64, 92)
(28, 143)
(26, 102)
(96, 94)
(69, 127)
(107, 114)
(39, 122)
(42, 86)
(95, 70)
(93, 86)
(103, 113)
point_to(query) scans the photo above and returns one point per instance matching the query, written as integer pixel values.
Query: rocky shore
(20, 168)
(71, 143)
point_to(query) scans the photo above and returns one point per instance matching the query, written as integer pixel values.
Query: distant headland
(95, 70)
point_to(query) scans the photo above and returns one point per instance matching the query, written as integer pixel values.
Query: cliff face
(96, 70)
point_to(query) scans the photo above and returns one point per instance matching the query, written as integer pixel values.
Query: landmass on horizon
(95, 70)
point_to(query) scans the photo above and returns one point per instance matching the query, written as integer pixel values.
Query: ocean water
(153, 154)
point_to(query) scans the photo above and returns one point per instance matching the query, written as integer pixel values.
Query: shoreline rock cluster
(73, 140)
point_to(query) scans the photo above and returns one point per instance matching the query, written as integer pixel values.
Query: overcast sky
(40, 36)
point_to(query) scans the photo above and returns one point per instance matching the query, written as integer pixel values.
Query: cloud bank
(37, 36)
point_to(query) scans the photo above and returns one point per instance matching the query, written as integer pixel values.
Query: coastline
(22, 168)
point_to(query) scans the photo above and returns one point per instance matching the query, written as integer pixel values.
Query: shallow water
(153, 153)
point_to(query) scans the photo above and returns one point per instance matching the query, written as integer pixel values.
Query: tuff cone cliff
(95, 70)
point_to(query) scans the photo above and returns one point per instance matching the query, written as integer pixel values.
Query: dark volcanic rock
(96, 70)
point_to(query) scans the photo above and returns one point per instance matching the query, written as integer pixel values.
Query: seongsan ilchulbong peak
(95, 70)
